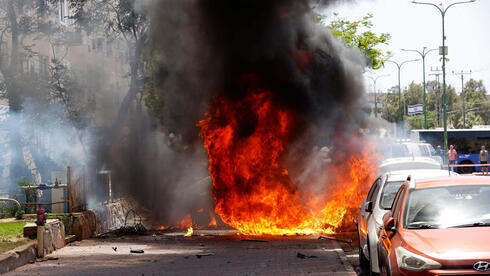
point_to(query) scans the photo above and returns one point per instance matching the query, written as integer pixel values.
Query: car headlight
(411, 261)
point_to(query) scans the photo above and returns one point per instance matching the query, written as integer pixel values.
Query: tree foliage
(358, 33)
(476, 105)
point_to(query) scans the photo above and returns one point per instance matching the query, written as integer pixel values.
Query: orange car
(438, 226)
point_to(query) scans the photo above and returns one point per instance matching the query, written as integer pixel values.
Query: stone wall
(54, 236)
(17, 257)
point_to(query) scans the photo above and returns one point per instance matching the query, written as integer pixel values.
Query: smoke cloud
(207, 46)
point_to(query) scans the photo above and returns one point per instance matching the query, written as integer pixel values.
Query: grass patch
(11, 229)
(9, 245)
(11, 235)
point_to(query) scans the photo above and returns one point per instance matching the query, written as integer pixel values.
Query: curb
(17, 257)
(343, 258)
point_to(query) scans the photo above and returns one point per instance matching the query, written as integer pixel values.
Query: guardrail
(467, 165)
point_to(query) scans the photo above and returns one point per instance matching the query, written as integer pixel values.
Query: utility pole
(375, 79)
(443, 52)
(462, 73)
(399, 66)
(437, 73)
(423, 54)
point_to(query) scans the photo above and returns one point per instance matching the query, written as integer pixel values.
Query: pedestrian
(452, 156)
(483, 159)
(440, 152)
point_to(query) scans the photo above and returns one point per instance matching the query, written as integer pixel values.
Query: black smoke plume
(207, 46)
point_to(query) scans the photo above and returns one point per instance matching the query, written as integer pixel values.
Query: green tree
(358, 34)
(389, 111)
(434, 103)
(476, 105)
(413, 94)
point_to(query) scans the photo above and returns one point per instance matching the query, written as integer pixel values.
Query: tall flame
(253, 192)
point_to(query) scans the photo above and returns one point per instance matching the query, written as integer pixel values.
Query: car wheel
(363, 261)
(466, 170)
(382, 269)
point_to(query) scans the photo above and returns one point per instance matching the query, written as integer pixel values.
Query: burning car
(377, 203)
(437, 226)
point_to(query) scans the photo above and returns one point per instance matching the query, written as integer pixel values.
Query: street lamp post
(399, 65)
(443, 14)
(375, 99)
(423, 54)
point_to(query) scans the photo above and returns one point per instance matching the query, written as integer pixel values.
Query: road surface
(205, 253)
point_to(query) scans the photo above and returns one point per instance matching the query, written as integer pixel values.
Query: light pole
(423, 54)
(399, 65)
(375, 99)
(443, 14)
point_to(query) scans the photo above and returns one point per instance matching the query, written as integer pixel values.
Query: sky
(413, 26)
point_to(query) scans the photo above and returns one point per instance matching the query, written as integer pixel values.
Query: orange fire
(189, 233)
(254, 192)
(186, 222)
(213, 220)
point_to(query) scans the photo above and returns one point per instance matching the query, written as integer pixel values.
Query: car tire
(363, 261)
(382, 269)
(466, 170)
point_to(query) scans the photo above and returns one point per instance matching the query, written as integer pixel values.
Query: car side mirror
(389, 223)
(368, 207)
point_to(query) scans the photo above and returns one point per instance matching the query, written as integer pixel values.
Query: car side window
(396, 208)
(423, 150)
(374, 190)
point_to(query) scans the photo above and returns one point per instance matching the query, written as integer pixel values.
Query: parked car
(377, 202)
(438, 226)
(415, 149)
(409, 163)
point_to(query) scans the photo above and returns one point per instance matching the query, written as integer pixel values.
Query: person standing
(439, 152)
(483, 159)
(452, 156)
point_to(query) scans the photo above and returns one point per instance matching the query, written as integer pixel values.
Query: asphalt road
(205, 253)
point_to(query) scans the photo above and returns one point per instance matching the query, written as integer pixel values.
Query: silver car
(409, 163)
(377, 202)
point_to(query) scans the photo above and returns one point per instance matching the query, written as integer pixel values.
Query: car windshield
(443, 207)
(399, 151)
(389, 193)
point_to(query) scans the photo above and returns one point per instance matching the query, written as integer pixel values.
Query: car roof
(416, 174)
(415, 143)
(450, 181)
(408, 160)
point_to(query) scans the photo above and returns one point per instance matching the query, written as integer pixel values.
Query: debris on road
(204, 255)
(303, 256)
(253, 240)
(114, 248)
(137, 229)
(139, 251)
(334, 239)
